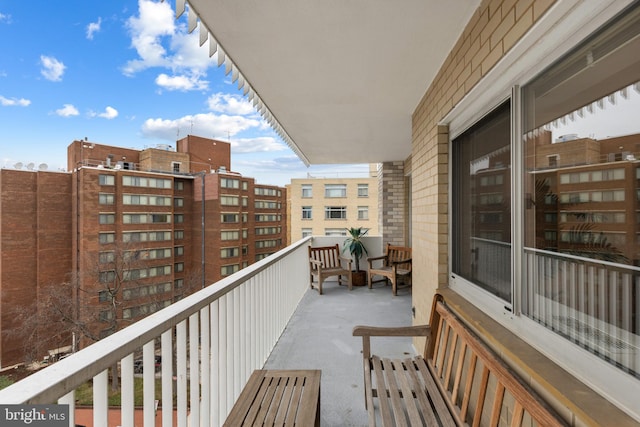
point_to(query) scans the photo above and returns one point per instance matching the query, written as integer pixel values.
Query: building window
(178, 234)
(106, 238)
(227, 270)
(335, 232)
(141, 181)
(178, 218)
(229, 252)
(230, 235)
(268, 217)
(229, 183)
(335, 190)
(363, 190)
(307, 212)
(178, 202)
(335, 212)
(602, 75)
(363, 212)
(178, 250)
(105, 218)
(107, 179)
(229, 217)
(306, 232)
(179, 185)
(260, 191)
(245, 185)
(106, 198)
(230, 200)
(106, 257)
(482, 252)
(179, 267)
(307, 191)
(175, 167)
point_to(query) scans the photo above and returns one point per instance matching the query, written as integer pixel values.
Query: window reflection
(582, 187)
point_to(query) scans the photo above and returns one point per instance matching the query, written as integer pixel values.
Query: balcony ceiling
(339, 78)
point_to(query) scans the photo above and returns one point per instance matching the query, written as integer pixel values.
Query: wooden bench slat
(421, 395)
(310, 405)
(368, 395)
(394, 393)
(484, 382)
(457, 370)
(287, 398)
(278, 398)
(518, 414)
(458, 377)
(383, 399)
(409, 393)
(435, 393)
(497, 405)
(467, 390)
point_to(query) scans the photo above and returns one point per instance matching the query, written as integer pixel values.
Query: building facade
(328, 206)
(122, 235)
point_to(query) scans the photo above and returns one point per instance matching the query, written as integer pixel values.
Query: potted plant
(356, 248)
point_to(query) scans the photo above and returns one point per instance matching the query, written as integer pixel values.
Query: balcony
(262, 316)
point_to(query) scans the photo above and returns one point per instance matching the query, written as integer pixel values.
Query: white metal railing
(220, 335)
(593, 303)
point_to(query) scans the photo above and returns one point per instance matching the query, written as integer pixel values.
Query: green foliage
(5, 382)
(84, 393)
(355, 245)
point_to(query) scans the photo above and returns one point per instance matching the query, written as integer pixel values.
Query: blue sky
(125, 73)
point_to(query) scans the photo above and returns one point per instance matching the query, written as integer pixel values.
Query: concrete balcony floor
(319, 336)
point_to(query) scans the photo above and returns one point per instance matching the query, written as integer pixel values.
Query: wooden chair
(396, 263)
(325, 262)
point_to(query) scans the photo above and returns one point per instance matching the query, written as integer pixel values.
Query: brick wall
(493, 29)
(393, 203)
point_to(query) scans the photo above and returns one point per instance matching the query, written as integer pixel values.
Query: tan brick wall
(493, 29)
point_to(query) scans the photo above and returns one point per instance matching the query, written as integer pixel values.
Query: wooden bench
(325, 262)
(457, 381)
(278, 398)
(396, 263)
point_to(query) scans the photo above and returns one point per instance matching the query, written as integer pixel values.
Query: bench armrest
(375, 258)
(366, 332)
(347, 260)
(402, 261)
(315, 262)
(384, 331)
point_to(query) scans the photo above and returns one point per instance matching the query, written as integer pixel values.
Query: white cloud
(209, 125)
(67, 110)
(109, 113)
(93, 28)
(231, 104)
(155, 21)
(260, 144)
(10, 102)
(52, 69)
(183, 82)
(5, 18)
(160, 42)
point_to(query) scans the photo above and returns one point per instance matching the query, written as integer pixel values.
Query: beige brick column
(392, 203)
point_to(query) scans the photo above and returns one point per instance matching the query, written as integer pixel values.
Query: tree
(113, 291)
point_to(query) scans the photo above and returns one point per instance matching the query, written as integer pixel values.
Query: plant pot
(358, 278)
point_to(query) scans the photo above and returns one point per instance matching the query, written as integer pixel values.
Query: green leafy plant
(355, 245)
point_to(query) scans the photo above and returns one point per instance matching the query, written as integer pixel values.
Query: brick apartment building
(128, 232)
